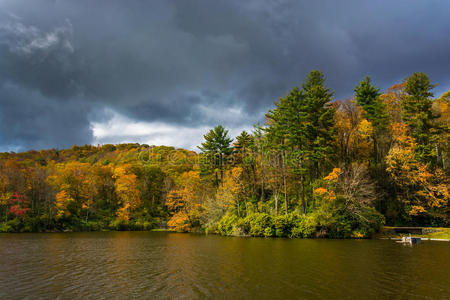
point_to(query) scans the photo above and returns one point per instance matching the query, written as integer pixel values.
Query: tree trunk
(246, 208)
(375, 150)
(276, 203)
(303, 194)
(284, 183)
(254, 179)
(238, 210)
(221, 169)
(314, 202)
(262, 175)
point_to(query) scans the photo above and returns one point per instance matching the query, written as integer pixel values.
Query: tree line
(318, 167)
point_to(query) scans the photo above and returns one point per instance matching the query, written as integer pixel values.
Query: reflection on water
(157, 265)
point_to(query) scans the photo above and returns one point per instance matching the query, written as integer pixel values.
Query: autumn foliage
(318, 167)
(185, 203)
(18, 205)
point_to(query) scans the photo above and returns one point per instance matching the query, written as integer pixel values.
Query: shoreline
(440, 234)
(428, 233)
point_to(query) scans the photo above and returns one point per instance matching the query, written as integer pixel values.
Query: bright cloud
(121, 129)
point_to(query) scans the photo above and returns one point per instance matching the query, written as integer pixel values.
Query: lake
(162, 265)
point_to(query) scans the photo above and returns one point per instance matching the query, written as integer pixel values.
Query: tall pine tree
(368, 97)
(319, 120)
(245, 157)
(301, 126)
(417, 113)
(286, 136)
(216, 146)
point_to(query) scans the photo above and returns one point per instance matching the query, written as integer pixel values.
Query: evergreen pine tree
(216, 146)
(318, 119)
(417, 113)
(368, 97)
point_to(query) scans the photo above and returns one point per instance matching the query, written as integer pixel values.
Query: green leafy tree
(244, 154)
(285, 132)
(319, 115)
(261, 147)
(243, 145)
(302, 123)
(418, 114)
(368, 97)
(217, 146)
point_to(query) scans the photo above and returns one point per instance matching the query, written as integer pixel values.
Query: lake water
(161, 265)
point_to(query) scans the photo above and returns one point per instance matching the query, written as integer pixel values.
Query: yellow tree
(185, 203)
(5, 195)
(79, 182)
(362, 140)
(123, 213)
(441, 107)
(232, 190)
(63, 200)
(68, 180)
(392, 98)
(90, 189)
(127, 191)
(326, 193)
(353, 132)
(418, 188)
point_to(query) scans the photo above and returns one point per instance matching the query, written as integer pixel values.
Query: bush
(258, 224)
(342, 227)
(304, 227)
(91, 225)
(284, 225)
(370, 222)
(321, 223)
(33, 224)
(144, 224)
(343, 224)
(5, 227)
(226, 224)
(118, 225)
(243, 227)
(268, 232)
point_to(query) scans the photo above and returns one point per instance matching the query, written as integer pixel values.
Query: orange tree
(185, 203)
(421, 191)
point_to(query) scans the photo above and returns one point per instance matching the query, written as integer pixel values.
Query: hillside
(75, 188)
(317, 168)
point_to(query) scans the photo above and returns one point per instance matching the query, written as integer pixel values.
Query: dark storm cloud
(197, 63)
(30, 120)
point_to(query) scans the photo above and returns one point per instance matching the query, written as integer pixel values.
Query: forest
(317, 167)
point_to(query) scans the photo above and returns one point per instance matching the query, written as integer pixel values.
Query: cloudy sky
(163, 72)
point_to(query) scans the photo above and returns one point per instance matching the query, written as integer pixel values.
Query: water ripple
(157, 265)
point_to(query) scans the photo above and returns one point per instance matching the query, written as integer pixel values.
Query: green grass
(439, 233)
(161, 229)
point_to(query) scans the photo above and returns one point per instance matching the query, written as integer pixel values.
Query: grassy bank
(430, 232)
